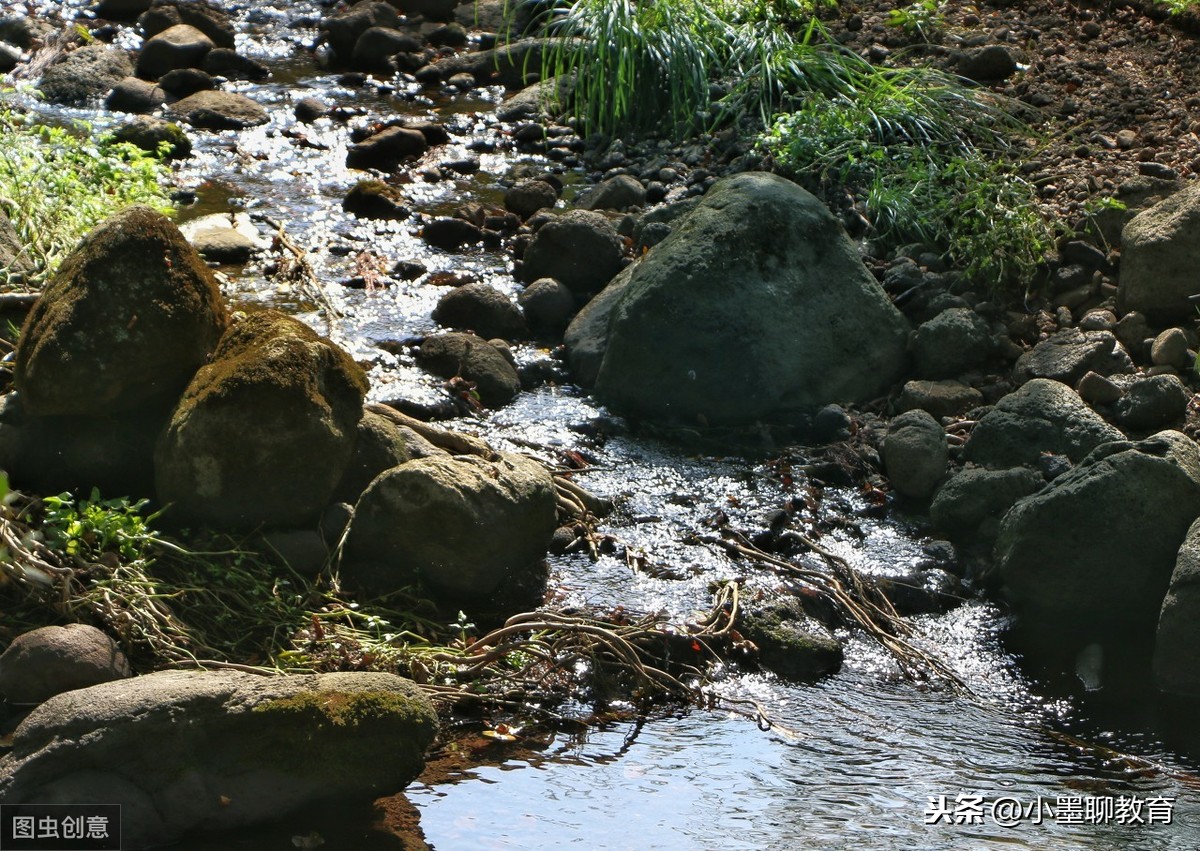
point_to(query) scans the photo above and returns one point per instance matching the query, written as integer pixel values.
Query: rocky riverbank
(698, 295)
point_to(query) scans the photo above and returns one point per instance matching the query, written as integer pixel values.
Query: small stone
(1126, 139)
(1170, 348)
(1097, 390)
(1098, 320)
(53, 659)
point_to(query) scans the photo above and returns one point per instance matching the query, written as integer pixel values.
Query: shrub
(57, 183)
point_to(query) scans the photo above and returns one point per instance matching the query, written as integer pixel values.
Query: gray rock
(1042, 416)
(1098, 320)
(343, 31)
(483, 309)
(1069, 354)
(387, 149)
(756, 306)
(1132, 330)
(790, 642)
(205, 15)
(126, 321)
(939, 398)
(309, 109)
(971, 502)
(135, 96)
(475, 359)
(536, 102)
(1151, 403)
(513, 65)
(1170, 348)
(214, 110)
(1098, 390)
(85, 74)
(1177, 645)
(263, 433)
(181, 46)
(579, 249)
(586, 337)
(988, 64)
(374, 49)
(1160, 252)
(528, 197)
(616, 193)
(1096, 548)
(228, 63)
(381, 445)
(186, 751)
(53, 659)
(374, 199)
(451, 233)
(225, 238)
(462, 525)
(915, 454)
(953, 342)
(548, 307)
(24, 31)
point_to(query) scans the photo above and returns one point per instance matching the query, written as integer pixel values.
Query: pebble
(1170, 348)
(1097, 390)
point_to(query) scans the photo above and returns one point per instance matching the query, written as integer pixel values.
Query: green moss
(349, 709)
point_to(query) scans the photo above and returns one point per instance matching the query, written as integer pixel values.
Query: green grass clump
(930, 162)
(57, 184)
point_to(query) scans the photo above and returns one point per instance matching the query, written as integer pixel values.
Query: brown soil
(1114, 87)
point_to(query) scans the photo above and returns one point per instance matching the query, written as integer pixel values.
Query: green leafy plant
(90, 528)
(923, 18)
(57, 183)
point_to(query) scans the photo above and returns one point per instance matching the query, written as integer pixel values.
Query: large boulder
(756, 306)
(1042, 416)
(580, 249)
(188, 751)
(127, 319)
(181, 46)
(264, 432)
(465, 527)
(1177, 646)
(483, 309)
(48, 661)
(1160, 252)
(85, 74)
(1096, 548)
(205, 15)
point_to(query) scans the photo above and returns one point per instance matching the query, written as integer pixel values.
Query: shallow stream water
(877, 756)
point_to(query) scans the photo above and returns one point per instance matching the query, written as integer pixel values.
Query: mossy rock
(186, 751)
(792, 643)
(126, 321)
(263, 433)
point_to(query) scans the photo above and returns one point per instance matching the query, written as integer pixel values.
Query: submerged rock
(791, 643)
(186, 751)
(757, 306)
(483, 309)
(475, 359)
(127, 319)
(264, 432)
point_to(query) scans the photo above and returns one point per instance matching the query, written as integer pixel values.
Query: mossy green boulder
(189, 751)
(756, 307)
(125, 322)
(264, 432)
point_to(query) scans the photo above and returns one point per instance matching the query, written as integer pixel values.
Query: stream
(875, 757)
